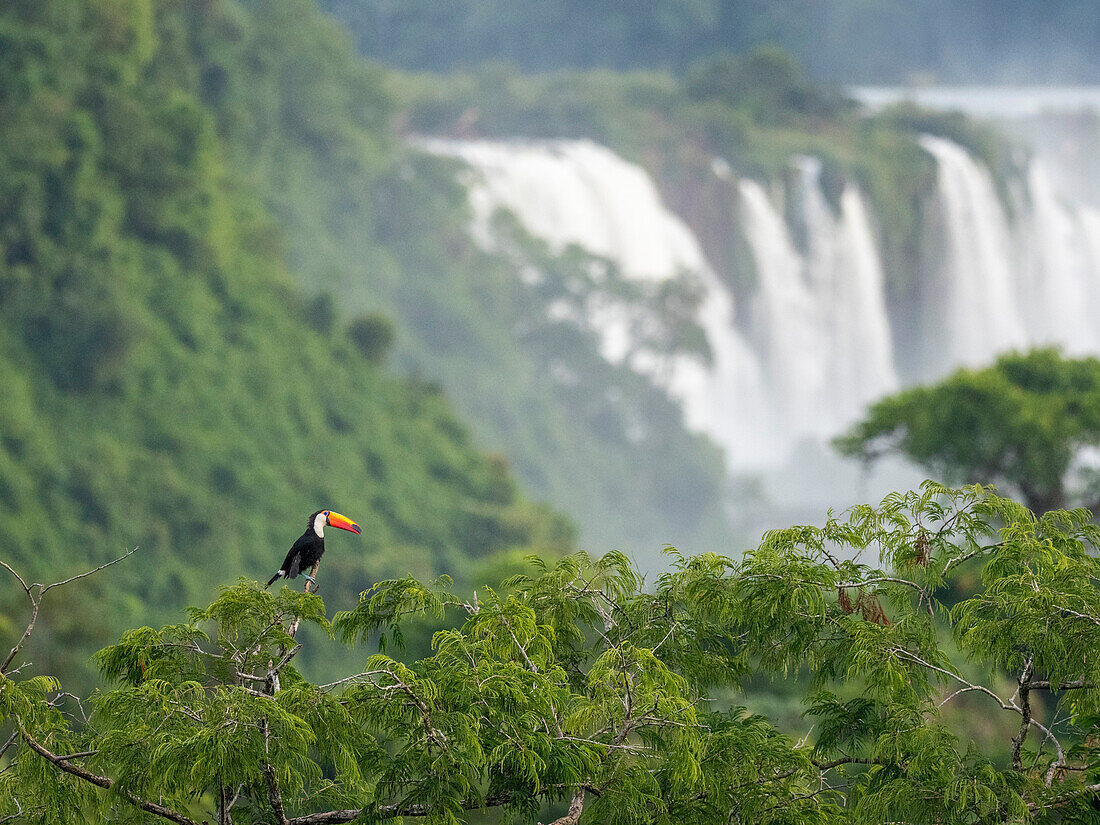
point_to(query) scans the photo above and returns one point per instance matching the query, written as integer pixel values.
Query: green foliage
(167, 383)
(392, 237)
(576, 683)
(373, 335)
(1020, 422)
(767, 82)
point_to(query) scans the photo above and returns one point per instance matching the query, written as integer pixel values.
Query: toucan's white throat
(319, 525)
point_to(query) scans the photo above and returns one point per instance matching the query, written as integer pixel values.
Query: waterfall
(1059, 278)
(786, 328)
(1032, 281)
(812, 344)
(1089, 216)
(819, 319)
(860, 326)
(849, 293)
(577, 192)
(976, 299)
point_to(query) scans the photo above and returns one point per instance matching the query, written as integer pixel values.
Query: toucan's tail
(270, 581)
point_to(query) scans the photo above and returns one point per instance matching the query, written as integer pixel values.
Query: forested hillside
(850, 41)
(385, 227)
(166, 382)
(369, 218)
(220, 244)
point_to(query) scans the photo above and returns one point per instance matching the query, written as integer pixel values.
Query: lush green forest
(320, 137)
(385, 228)
(577, 693)
(167, 382)
(210, 215)
(849, 41)
(233, 291)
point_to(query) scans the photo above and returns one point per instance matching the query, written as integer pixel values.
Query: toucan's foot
(310, 579)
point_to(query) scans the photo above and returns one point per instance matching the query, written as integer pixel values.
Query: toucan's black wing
(292, 564)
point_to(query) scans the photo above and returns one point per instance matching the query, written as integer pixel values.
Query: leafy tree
(1020, 422)
(575, 686)
(767, 81)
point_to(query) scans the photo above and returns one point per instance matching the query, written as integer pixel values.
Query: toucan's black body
(305, 553)
(310, 546)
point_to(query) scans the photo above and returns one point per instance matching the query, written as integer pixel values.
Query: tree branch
(310, 587)
(1076, 684)
(274, 797)
(8, 567)
(575, 809)
(8, 744)
(1025, 716)
(87, 573)
(393, 811)
(36, 600)
(102, 781)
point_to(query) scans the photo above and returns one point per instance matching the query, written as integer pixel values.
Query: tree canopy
(576, 690)
(1020, 422)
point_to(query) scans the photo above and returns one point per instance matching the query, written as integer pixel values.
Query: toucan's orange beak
(344, 523)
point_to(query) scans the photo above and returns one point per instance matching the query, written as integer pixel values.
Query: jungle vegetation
(1023, 423)
(578, 691)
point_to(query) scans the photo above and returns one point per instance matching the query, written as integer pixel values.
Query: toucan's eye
(326, 513)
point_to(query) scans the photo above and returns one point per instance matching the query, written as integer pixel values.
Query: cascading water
(1032, 282)
(815, 345)
(849, 295)
(1058, 282)
(1089, 217)
(785, 327)
(860, 326)
(818, 319)
(976, 300)
(577, 192)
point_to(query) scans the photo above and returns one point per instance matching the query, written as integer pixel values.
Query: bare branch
(364, 675)
(1076, 684)
(18, 813)
(48, 587)
(8, 567)
(959, 692)
(957, 560)
(283, 662)
(917, 660)
(255, 647)
(80, 755)
(1025, 716)
(1064, 798)
(399, 809)
(523, 651)
(36, 601)
(274, 797)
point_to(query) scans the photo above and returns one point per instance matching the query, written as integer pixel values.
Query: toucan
(308, 548)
